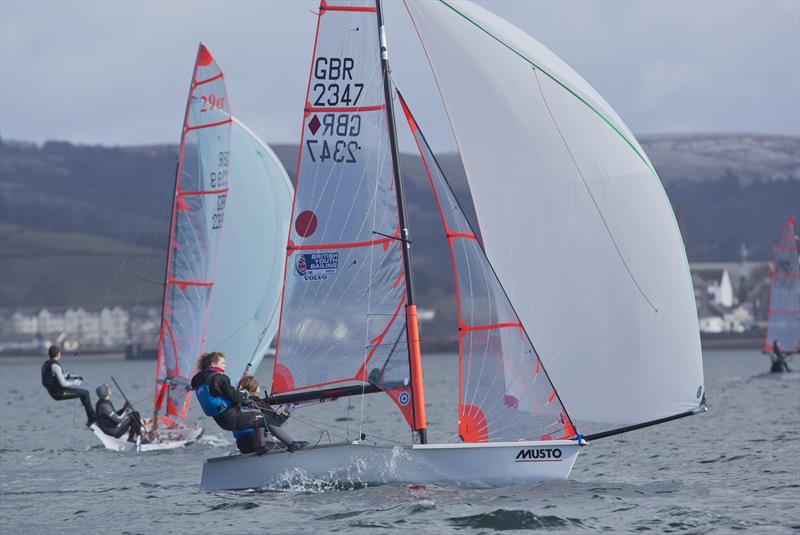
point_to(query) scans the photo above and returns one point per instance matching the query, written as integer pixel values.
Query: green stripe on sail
(587, 104)
(559, 82)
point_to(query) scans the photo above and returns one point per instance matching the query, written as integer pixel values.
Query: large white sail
(245, 304)
(574, 219)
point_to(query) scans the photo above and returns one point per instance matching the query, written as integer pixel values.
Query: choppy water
(735, 468)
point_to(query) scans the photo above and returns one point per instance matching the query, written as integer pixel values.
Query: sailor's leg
(281, 435)
(69, 392)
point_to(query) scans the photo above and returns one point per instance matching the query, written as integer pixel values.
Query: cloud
(117, 72)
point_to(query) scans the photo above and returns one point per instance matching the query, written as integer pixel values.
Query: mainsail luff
(344, 250)
(197, 213)
(412, 322)
(783, 314)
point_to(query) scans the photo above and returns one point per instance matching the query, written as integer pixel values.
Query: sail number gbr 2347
(335, 86)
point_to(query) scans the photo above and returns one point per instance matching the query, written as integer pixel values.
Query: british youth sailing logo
(316, 266)
(532, 455)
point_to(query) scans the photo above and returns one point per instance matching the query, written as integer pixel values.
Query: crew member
(254, 439)
(779, 364)
(218, 398)
(62, 385)
(116, 422)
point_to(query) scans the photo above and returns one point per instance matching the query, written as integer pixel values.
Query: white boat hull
(176, 436)
(471, 465)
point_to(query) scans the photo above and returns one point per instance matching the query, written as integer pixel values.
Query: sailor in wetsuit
(61, 385)
(779, 364)
(115, 423)
(218, 398)
(255, 439)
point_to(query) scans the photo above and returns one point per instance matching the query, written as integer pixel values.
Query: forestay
(784, 303)
(201, 188)
(573, 216)
(504, 391)
(342, 317)
(244, 309)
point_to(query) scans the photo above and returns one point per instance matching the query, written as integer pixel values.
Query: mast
(415, 365)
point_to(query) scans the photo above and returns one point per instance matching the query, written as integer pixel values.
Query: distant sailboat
(783, 316)
(244, 268)
(582, 252)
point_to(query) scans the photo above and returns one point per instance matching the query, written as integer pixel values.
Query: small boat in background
(783, 317)
(225, 174)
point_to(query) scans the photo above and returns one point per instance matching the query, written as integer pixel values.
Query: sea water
(734, 468)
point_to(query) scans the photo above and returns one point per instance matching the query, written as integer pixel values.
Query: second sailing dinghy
(198, 211)
(225, 171)
(548, 196)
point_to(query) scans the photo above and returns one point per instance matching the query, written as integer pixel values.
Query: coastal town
(732, 303)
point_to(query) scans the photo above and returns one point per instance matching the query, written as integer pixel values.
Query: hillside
(69, 214)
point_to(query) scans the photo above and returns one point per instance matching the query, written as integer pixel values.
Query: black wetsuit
(64, 387)
(234, 418)
(779, 364)
(256, 440)
(116, 423)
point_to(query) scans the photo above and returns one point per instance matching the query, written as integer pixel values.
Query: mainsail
(201, 187)
(343, 323)
(784, 304)
(244, 307)
(504, 391)
(573, 217)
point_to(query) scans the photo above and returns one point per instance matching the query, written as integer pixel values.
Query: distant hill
(69, 214)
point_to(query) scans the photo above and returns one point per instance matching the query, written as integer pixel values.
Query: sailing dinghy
(783, 316)
(244, 269)
(556, 179)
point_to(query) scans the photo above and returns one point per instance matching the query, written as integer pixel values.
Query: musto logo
(533, 455)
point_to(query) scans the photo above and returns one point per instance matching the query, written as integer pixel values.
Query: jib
(539, 453)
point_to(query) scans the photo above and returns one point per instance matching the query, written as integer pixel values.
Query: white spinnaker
(246, 300)
(574, 219)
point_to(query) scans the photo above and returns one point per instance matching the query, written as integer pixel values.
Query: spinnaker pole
(412, 330)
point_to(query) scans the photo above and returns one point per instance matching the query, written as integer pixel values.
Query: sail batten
(573, 219)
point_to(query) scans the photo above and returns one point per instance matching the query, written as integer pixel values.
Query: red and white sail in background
(784, 304)
(342, 320)
(201, 187)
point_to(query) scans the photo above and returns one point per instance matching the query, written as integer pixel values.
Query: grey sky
(118, 72)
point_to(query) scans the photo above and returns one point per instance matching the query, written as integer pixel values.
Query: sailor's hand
(285, 410)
